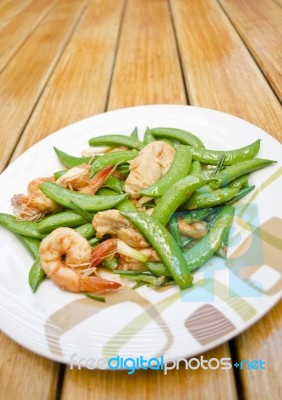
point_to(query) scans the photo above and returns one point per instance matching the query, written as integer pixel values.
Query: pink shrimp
(103, 250)
(98, 180)
(66, 257)
(35, 205)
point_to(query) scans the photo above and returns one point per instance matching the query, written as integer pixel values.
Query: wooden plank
(40, 382)
(218, 69)
(279, 2)
(85, 66)
(15, 32)
(151, 385)
(221, 74)
(88, 67)
(262, 342)
(147, 70)
(24, 375)
(9, 8)
(23, 80)
(259, 23)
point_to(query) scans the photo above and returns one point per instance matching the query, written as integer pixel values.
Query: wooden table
(64, 60)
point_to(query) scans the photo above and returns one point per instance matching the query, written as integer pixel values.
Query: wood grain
(147, 68)
(24, 375)
(21, 87)
(80, 83)
(10, 8)
(15, 32)
(262, 341)
(218, 69)
(279, 2)
(259, 23)
(150, 385)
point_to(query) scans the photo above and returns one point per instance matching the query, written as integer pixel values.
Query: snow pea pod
(197, 215)
(235, 171)
(36, 275)
(222, 251)
(71, 161)
(116, 140)
(179, 169)
(210, 199)
(243, 192)
(65, 218)
(134, 134)
(87, 216)
(125, 205)
(177, 134)
(176, 195)
(157, 268)
(230, 156)
(60, 173)
(195, 168)
(164, 244)
(113, 183)
(30, 243)
(148, 137)
(86, 230)
(26, 228)
(240, 182)
(149, 279)
(167, 141)
(124, 170)
(93, 241)
(206, 247)
(110, 263)
(174, 230)
(117, 157)
(90, 202)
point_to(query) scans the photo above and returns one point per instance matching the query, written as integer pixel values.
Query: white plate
(227, 297)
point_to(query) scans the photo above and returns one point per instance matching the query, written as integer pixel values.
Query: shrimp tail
(103, 250)
(95, 284)
(98, 180)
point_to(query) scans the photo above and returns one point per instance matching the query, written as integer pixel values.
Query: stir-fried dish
(152, 211)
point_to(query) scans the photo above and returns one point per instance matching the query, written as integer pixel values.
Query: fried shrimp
(78, 179)
(98, 180)
(35, 205)
(66, 259)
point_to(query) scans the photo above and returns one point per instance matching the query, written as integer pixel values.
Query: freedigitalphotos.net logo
(165, 364)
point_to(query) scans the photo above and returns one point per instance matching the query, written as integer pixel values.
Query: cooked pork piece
(152, 163)
(111, 223)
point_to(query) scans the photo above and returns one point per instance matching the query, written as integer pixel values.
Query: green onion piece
(97, 298)
(219, 165)
(138, 284)
(110, 263)
(123, 248)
